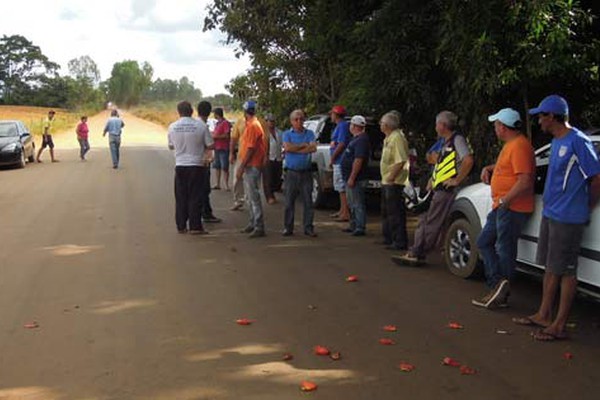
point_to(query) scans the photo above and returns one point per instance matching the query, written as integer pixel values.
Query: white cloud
(166, 33)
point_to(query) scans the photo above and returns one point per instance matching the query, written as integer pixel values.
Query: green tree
(85, 69)
(128, 81)
(22, 67)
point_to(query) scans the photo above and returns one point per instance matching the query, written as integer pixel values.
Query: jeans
(393, 215)
(84, 147)
(298, 183)
(497, 243)
(357, 206)
(189, 185)
(114, 141)
(253, 202)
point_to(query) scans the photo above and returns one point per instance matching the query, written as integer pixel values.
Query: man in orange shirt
(511, 180)
(252, 159)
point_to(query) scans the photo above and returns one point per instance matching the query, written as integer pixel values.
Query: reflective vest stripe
(445, 169)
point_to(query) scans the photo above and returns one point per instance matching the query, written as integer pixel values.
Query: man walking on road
(395, 169)
(511, 179)
(204, 109)
(47, 137)
(299, 144)
(571, 192)
(82, 131)
(252, 160)
(339, 140)
(114, 128)
(452, 168)
(190, 139)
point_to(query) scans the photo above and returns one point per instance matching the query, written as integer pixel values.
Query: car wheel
(461, 253)
(22, 159)
(319, 197)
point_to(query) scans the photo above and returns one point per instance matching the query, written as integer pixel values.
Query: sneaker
(236, 207)
(198, 232)
(408, 259)
(247, 229)
(310, 233)
(483, 301)
(256, 234)
(497, 297)
(358, 233)
(287, 232)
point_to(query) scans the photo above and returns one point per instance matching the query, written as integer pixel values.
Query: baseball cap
(339, 110)
(358, 120)
(249, 105)
(553, 104)
(507, 116)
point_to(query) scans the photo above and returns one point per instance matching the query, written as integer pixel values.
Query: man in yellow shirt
(47, 137)
(394, 167)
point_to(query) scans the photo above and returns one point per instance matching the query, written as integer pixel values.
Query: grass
(33, 117)
(166, 113)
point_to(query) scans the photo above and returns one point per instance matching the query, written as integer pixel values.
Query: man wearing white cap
(511, 179)
(354, 162)
(571, 192)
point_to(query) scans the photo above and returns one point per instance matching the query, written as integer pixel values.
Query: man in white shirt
(189, 138)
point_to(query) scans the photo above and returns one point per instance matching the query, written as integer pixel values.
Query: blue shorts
(338, 180)
(221, 160)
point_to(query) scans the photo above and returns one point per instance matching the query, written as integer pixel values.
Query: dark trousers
(272, 178)
(298, 183)
(393, 215)
(189, 188)
(206, 208)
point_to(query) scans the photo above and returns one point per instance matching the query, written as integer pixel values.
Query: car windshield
(7, 130)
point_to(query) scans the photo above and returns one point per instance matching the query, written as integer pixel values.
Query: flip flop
(403, 261)
(542, 336)
(526, 321)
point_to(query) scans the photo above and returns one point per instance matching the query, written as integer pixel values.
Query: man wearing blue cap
(571, 192)
(511, 179)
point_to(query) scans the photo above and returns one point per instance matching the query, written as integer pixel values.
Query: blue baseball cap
(507, 116)
(249, 105)
(553, 104)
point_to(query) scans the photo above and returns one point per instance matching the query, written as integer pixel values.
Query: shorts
(558, 246)
(338, 180)
(47, 141)
(221, 160)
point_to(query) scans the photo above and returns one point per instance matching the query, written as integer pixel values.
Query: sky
(166, 33)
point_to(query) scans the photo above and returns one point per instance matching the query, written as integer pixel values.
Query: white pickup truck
(469, 212)
(322, 126)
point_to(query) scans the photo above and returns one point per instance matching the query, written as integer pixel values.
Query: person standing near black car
(189, 138)
(394, 168)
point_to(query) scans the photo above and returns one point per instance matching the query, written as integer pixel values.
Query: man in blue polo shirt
(299, 144)
(354, 172)
(571, 192)
(339, 140)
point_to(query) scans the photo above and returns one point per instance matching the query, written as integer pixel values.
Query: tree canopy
(415, 56)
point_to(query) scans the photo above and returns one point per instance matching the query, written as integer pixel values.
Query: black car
(16, 144)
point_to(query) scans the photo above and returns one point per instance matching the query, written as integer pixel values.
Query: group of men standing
(571, 191)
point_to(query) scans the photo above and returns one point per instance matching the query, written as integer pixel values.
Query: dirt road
(126, 308)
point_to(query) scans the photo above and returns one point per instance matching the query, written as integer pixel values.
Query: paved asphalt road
(129, 309)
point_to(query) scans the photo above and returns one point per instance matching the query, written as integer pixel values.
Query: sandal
(543, 336)
(527, 321)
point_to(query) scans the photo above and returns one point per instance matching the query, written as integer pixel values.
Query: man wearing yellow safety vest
(451, 169)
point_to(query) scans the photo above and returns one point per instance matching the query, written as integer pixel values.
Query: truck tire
(460, 249)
